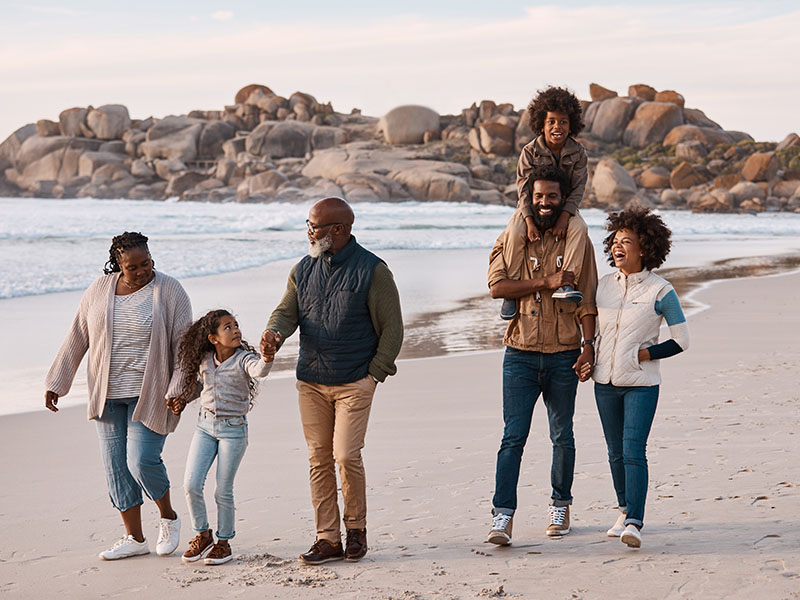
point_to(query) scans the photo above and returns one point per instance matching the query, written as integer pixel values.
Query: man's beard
(319, 247)
(545, 223)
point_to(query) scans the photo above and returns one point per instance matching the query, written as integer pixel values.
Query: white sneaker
(500, 533)
(618, 527)
(632, 536)
(125, 547)
(169, 536)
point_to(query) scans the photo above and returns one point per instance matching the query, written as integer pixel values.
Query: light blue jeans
(131, 455)
(226, 440)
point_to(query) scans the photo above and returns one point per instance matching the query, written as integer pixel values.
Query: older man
(544, 352)
(346, 304)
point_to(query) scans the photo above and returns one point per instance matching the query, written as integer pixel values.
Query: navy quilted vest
(337, 340)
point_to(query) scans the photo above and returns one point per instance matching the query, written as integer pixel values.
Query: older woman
(129, 321)
(632, 303)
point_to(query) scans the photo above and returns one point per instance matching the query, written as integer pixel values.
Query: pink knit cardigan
(92, 331)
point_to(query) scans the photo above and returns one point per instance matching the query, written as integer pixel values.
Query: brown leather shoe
(356, 546)
(321, 552)
(199, 547)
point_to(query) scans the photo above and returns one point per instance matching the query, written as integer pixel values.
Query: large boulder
(612, 118)
(213, 135)
(598, 92)
(789, 141)
(288, 139)
(612, 184)
(72, 121)
(692, 150)
(244, 93)
(11, 145)
(91, 161)
(424, 184)
(685, 176)
(181, 182)
(47, 128)
(407, 124)
(324, 137)
(35, 147)
(654, 178)
(108, 122)
(651, 122)
(761, 166)
(670, 96)
(708, 135)
(523, 134)
(589, 114)
(496, 138)
(643, 91)
(694, 116)
(747, 190)
(266, 184)
(173, 137)
(739, 136)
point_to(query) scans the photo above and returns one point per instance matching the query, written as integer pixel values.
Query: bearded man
(345, 302)
(544, 352)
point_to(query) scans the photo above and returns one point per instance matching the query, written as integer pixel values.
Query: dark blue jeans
(627, 414)
(526, 375)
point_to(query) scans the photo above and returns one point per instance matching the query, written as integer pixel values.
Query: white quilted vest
(626, 322)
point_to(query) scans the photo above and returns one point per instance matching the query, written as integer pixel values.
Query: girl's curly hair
(555, 99)
(654, 235)
(194, 346)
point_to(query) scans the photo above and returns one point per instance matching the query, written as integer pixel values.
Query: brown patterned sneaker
(199, 547)
(356, 546)
(321, 552)
(559, 521)
(220, 553)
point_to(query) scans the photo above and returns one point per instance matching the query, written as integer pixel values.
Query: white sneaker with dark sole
(632, 537)
(619, 526)
(567, 294)
(125, 548)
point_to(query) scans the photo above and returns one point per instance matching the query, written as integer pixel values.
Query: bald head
(336, 215)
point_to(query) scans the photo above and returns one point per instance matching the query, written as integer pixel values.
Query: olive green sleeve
(285, 317)
(383, 302)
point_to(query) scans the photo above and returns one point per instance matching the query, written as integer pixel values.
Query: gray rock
(612, 118)
(47, 128)
(694, 116)
(407, 124)
(213, 135)
(172, 137)
(70, 121)
(288, 139)
(108, 122)
(691, 150)
(496, 138)
(746, 190)
(91, 161)
(651, 122)
(116, 146)
(612, 184)
(139, 168)
(165, 169)
(328, 137)
(148, 191)
(790, 140)
(182, 182)
(232, 148)
(686, 133)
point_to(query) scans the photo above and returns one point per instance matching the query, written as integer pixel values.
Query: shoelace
(500, 521)
(557, 514)
(122, 541)
(163, 532)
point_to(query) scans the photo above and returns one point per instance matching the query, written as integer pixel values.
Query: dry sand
(722, 513)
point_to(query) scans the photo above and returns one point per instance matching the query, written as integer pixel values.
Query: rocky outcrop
(407, 124)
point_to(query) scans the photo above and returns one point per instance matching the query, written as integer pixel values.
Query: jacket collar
(570, 147)
(633, 278)
(343, 254)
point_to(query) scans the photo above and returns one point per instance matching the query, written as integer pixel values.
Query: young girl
(212, 351)
(555, 115)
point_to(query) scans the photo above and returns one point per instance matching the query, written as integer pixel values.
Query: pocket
(567, 324)
(235, 422)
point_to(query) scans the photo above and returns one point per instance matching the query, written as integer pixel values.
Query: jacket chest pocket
(567, 323)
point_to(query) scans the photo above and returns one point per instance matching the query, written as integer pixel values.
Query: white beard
(319, 247)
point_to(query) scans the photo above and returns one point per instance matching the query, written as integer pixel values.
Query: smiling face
(228, 336)
(556, 129)
(547, 203)
(136, 266)
(626, 250)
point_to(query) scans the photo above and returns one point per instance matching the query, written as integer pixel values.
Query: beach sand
(722, 511)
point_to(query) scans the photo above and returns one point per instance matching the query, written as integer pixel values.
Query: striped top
(133, 324)
(92, 331)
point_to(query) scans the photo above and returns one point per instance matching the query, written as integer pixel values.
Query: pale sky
(737, 61)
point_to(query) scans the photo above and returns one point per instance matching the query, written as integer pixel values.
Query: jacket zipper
(616, 331)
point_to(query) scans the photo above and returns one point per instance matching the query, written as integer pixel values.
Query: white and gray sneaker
(169, 536)
(632, 537)
(125, 547)
(618, 527)
(500, 533)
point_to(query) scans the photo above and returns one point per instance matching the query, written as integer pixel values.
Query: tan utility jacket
(543, 324)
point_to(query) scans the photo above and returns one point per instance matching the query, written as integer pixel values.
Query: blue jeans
(226, 440)
(526, 375)
(627, 414)
(131, 455)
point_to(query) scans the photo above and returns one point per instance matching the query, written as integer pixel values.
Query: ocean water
(59, 245)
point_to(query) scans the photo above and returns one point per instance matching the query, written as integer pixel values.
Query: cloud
(222, 15)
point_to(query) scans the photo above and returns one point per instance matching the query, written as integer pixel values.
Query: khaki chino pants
(334, 421)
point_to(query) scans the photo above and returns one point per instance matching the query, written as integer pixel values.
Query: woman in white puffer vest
(632, 304)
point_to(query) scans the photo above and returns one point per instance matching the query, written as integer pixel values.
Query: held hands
(584, 366)
(176, 405)
(269, 344)
(560, 228)
(533, 233)
(50, 400)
